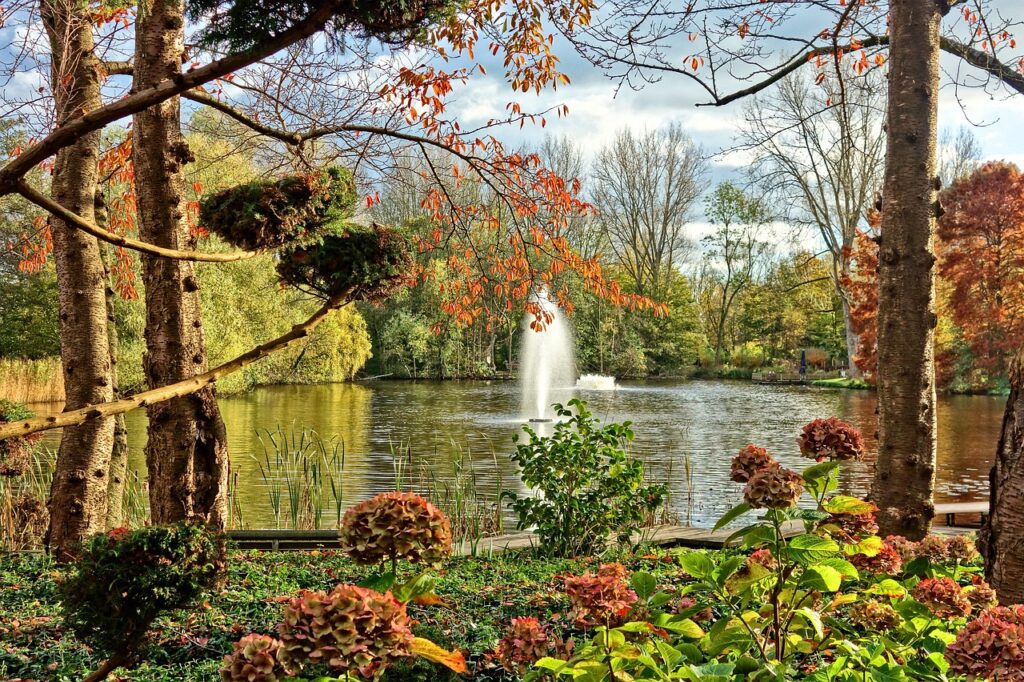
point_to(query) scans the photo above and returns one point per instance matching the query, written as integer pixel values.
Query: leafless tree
(644, 187)
(819, 152)
(959, 154)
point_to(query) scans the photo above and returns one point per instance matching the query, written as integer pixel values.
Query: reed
(31, 381)
(302, 472)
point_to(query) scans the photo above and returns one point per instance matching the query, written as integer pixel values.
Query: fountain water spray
(547, 369)
(596, 382)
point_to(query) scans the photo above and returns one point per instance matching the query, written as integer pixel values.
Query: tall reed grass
(31, 381)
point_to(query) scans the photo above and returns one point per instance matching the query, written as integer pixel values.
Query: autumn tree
(981, 255)
(861, 286)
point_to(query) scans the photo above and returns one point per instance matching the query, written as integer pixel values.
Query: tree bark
(1001, 540)
(186, 451)
(78, 495)
(119, 452)
(905, 471)
(852, 340)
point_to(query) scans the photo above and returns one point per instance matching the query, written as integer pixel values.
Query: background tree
(644, 188)
(819, 150)
(734, 255)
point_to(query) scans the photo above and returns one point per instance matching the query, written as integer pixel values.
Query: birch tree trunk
(78, 495)
(186, 452)
(905, 472)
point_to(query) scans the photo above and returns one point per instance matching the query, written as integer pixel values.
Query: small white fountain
(596, 382)
(547, 368)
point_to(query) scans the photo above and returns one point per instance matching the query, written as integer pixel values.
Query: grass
(842, 382)
(481, 595)
(32, 381)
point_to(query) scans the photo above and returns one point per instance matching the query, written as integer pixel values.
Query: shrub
(602, 598)
(15, 452)
(991, 646)
(124, 579)
(588, 487)
(267, 214)
(254, 658)
(832, 439)
(397, 525)
(371, 262)
(348, 629)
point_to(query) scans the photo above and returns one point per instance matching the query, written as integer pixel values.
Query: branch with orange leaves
(189, 386)
(77, 221)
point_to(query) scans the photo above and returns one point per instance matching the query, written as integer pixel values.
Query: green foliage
(244, 25)
(372, 262)
(16, 451)
(588, 488)
(124, 579)
(267, 214)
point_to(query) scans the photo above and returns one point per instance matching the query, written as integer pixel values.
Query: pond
(679, 425)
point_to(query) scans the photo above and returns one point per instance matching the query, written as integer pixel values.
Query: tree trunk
(119, 452)
(905, 471)
(78, 495)
(852, 340)
(1001, 540)
(186, 452)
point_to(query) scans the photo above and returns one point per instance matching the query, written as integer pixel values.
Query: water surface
(700, 422)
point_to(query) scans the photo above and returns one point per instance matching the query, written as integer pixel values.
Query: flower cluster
(907, 549)
(849, 527)
(991, 646)
(254, 658)
(749, 461)
(773, 488)
(685, 604)
(887, 562)
(604, 598)
(962, 549)
(980, 593)
(349, 629)
(525, 642)
(943, 597)
(831, 438)
(763, 557)
(937, 549)
(873, 615)
(394, 526)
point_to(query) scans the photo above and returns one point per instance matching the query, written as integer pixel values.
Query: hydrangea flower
(831, 438)
(604, 598)
(887, 562)
(253, 659)
(525, 642)
(749, 461)
(990, 647)
(773, 488)
(875, 616)
(980, 593)
(395, 526)
(943, 597)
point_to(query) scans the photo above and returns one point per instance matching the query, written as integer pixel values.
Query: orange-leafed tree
(861, 287)
(981, 255)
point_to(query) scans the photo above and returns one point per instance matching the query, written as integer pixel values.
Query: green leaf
(819, 472)
(380, 582)
(813, 618)
(644, 584)
(731, 515)
(887, 588)
(843, 504)
(758, 536)
(697, 564)
(845, 568)
(823, 578)
(808, 549)
(869, 546)
(421, 584)
(679, 625)
(741, 581)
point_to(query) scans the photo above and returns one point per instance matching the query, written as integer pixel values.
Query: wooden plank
(978, 507)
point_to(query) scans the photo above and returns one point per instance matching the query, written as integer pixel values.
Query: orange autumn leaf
(453, 660)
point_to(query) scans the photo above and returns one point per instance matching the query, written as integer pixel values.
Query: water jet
(547, 367)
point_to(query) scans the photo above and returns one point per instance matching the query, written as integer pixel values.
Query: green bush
(124, 579)
(589, 488)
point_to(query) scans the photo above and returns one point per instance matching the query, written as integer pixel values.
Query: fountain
(596, 382)
(547, 369)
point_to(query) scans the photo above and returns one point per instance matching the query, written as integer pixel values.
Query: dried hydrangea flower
(849, 527)
(935, 548)
(875, 616)
(748, 461)
(907, 549)
(773, 488)
(943, 597)
(685, 603)
(961, 548)
(991, 646)
(887, 562)
(350, 628)
(980, 593)
(253, 659)
(763, 557)
(525, 642)
(602, 598)
(831, 438)
(395, 526)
